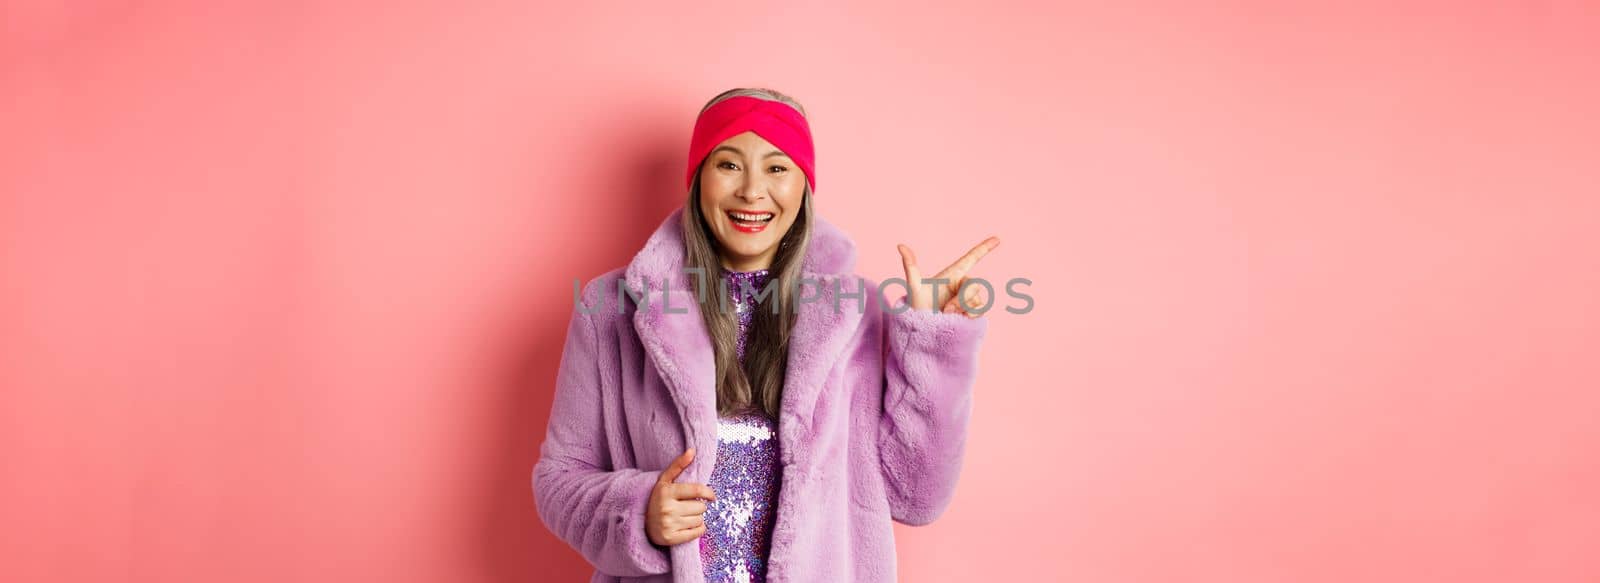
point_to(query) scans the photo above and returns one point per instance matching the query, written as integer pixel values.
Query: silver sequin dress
(746, 474)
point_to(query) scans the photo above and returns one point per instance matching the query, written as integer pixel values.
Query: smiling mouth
(750, 222)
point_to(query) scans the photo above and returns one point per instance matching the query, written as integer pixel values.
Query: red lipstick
(750, 221)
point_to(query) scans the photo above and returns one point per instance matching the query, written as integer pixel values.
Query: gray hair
(758, 380)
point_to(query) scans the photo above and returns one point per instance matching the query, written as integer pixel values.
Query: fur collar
(669, 326)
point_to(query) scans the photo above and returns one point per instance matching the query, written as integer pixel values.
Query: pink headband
(775, 121)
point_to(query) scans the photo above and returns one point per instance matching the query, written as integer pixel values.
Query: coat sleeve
(930, 363)
(597, 510)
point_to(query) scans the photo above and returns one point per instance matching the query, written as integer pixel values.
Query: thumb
(676, 467)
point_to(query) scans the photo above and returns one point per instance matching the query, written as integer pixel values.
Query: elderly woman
(740, 331)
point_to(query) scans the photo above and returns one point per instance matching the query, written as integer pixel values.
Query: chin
(748, 251)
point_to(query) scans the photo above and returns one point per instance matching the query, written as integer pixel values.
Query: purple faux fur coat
(872, 428)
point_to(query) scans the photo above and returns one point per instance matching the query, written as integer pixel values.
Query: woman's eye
(726, 164)
(779, 168)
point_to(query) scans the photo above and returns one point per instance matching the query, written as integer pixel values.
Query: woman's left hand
(924, 295)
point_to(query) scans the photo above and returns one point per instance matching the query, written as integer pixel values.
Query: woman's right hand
(675, 514)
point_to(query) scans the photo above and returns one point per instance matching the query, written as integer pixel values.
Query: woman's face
(749, 193)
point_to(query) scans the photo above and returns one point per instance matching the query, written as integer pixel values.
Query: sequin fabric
(743, 286)
(745, 476)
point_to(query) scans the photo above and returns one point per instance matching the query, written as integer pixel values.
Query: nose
(754, 189)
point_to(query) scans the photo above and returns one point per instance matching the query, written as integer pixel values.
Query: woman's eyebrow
(741, 152)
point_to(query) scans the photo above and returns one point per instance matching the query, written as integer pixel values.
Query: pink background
(283, 287)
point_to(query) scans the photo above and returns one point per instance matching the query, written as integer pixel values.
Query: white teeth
(749, 216)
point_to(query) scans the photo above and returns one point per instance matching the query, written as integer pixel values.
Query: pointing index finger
(958, 269)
